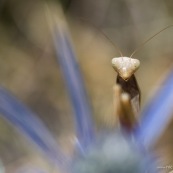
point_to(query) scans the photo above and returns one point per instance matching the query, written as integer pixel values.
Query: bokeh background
(28, 65)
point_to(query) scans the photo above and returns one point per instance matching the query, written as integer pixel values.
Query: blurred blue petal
(157, 115)
(75, 86)
(27, 123)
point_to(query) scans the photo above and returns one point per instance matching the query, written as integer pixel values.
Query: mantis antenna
(115, 45)
(146, 41)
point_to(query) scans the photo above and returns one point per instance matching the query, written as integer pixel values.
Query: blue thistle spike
(75, 86)
(157, 115)
(28, 124)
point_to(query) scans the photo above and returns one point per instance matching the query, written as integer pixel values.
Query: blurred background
(28, 65)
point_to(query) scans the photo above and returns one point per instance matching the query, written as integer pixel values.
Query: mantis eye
(125, 66)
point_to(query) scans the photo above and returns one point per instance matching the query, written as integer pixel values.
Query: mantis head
(125, 66)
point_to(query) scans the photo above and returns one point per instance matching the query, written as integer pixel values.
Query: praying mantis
(126, 83)
(109, 151)
(126, 68)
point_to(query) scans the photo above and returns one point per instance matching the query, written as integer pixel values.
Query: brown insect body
(132, 89)
(129, 86)
(129, 95)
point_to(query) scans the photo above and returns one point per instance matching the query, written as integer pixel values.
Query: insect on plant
(115, 150)
(126, 82)
(125, 68)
